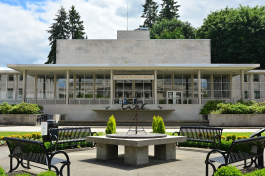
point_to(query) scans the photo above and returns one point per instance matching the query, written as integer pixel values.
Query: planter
(19, 119)
(237, 120)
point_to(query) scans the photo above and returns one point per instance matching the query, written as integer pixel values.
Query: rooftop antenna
(127, 15)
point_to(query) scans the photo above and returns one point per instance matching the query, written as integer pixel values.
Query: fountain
(136, 135)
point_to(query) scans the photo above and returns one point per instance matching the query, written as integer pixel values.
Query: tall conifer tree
(58, 30)
(76, 26)
(150, 13)
(169, 10)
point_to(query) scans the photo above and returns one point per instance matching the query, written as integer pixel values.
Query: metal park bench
(201, 134)
(35, 151)
(69, 135)
(240, 150)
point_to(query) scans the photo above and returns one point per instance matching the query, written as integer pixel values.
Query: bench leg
(22, 164)
(11, 164)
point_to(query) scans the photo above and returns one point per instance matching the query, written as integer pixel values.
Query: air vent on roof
(143, 28)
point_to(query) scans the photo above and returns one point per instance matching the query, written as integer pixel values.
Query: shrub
(210, 105)
(18, 136)
(2, 171)
(1, 138)
(4, 108)
(47, 173)
(111, 126)
(38, 135)
(28, 136)
(158, 125)
(260, 172)
(239, 137)
(228, 171)
(24, 136)
(233, 137)
(228, 137)
(245, 137)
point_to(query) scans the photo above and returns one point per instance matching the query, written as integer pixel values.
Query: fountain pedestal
(136, 150)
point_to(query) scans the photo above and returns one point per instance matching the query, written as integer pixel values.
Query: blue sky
(24, 39)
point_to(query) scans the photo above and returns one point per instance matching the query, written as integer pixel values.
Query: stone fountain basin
(136, 136)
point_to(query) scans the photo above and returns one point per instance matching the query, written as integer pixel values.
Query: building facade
(173, 77)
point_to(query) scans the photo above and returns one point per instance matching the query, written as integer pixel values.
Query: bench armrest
(58, 152)
(175, 133)
(216, 151)
(92, 133)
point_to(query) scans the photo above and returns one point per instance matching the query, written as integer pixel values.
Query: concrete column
(94, 85)
(54, 86)
(192, 86)
(35, 89)
(107, 151)
(24, 86)
(111, 87)
(199, 87)
(231, 88)
(155, 87)
(212, 93)
(74, 94)
(251, 87)
(242, 84)
(67, 87)
(16, 87)
(165, 151)
(172, 80)
(136, 155)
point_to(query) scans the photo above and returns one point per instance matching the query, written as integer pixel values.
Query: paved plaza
(188, 162)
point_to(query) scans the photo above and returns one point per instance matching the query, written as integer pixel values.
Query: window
(246, 94)
(257, 94)
(21, 77)
(19, 93)
(9, 93)
(256, 78)
(10, 77)
(245, 78)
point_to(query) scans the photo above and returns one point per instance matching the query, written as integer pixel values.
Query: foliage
(22, 108)
(4, 108)
(210, 105)
(169, 10)
(2, 171)
(158, 125)
(170, 25)
(58, 30)
(228, 171)
(239, 137)
(76, 26)
(238, 108)
(111, 126)
(176, 34)
(233, 137)
(237, 35)
(47, 173)
(257, 172)
(149, 13)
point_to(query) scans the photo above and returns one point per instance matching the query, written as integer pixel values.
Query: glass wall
(182, 82)
(206, 86)
(84, 86)
(164, 83)
(102, 86)
(221, 86)
(124, 89)
(61, 87)
(45, 86)
(3, 86)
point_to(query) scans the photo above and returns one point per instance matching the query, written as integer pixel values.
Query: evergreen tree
(169, 9)
(58, 30)
(150, 13)
(76, 26)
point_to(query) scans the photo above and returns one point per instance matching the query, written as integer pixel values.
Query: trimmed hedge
(241, 107)
(233, 171)
(22, 108)
(111, 126)
(158, 125)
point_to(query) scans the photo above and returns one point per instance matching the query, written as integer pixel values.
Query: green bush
(228, 171)
(260, 172)
(233, 137)
(158, 125)
(47, 173)
(22, 108)
(111, 126)
(228, 137)
(210, 106)
(2, 171)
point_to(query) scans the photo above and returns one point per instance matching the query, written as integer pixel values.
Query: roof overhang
(174, 68)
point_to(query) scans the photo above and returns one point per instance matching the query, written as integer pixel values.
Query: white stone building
(93, 74)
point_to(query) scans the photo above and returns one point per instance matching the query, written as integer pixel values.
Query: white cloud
(24, 39)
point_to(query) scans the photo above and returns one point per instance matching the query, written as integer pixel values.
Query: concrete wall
(18, 119)
(187, 113)
(237, 120)
(135, 35)
(133, 51)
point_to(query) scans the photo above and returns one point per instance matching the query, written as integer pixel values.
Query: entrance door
(174, 97)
